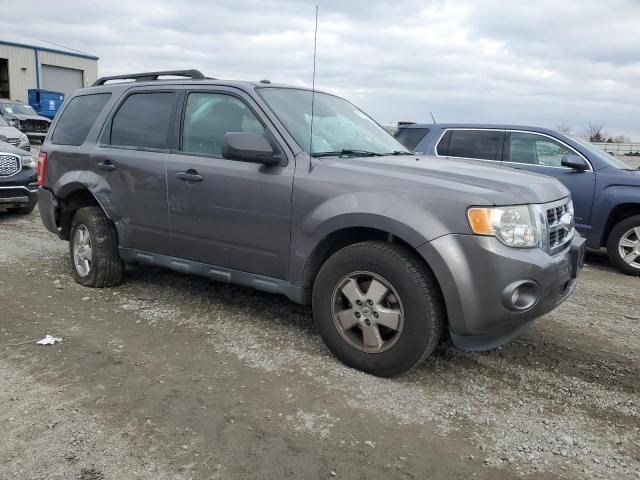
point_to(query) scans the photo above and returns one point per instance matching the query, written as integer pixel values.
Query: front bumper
(478, 275)
(19, 190)
(36, 135)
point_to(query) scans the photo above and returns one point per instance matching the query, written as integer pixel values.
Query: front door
(225, 212)
(542, 154)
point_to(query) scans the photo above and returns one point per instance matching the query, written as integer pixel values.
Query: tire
(26, 210)
(629, 230)
(103, 267)
(412, 290)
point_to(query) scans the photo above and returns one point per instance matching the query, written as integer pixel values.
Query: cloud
(542, 63)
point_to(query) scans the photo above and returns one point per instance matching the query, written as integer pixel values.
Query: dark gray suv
(240, 182)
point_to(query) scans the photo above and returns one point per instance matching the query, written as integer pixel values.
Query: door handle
(106, 165)
(190, 175)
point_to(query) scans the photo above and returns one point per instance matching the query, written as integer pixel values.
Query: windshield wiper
(399, 152)
(348, 152)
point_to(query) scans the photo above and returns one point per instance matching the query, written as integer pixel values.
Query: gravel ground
(178, 377)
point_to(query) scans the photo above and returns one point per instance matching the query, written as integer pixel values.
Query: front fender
(607, 200)
(400, 217)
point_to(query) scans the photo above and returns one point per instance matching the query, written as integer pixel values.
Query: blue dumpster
(45, 102)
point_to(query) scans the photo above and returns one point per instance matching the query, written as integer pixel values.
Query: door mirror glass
(574, 161)
(249, 147)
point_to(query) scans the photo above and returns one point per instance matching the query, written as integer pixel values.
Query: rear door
(539, 153)
(233, 214)
(474, 144)
(132, 158)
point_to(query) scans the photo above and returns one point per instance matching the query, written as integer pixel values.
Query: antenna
(433, 118)
(313, 86)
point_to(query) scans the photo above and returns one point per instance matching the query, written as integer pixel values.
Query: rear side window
(483, 144)
(143, 121)
(411, 137)
(77, 119)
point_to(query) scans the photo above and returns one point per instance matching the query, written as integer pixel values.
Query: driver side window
(534, 149)
(208, 116)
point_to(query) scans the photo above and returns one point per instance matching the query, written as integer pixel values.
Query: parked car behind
(214, 178)
(13, 136)
(24, 118)
(605, 190)
(18, 180)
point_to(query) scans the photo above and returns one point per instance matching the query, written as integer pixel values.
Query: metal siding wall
(19, 81)
(19, 57)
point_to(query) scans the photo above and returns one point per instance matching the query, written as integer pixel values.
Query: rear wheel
(623, 245)
(378, 308)
(93, 248)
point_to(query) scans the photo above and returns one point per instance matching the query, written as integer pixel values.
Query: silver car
(13, 136)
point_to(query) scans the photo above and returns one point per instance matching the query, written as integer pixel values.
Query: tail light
(42, 168)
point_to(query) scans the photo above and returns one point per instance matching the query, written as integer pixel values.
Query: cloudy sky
(542, 62)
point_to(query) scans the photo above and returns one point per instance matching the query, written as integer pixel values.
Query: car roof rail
(150, 76)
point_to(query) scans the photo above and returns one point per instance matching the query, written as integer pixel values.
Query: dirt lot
(177, 377)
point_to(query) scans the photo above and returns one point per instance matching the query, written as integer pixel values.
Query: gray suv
(302, 194)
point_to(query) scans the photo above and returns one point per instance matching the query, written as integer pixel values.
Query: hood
(469, 180)
(9, 132)
(617, 176)
(21, 116)
(8, 148)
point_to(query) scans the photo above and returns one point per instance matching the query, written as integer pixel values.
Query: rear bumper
(479, 275)
(48, 207)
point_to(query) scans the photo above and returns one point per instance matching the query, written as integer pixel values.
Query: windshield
(601, 154)
(338, 126)
(18, 109)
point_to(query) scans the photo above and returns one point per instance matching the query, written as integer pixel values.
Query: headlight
(24, 141)
(14, 122)
(514, 226)
(28, 161)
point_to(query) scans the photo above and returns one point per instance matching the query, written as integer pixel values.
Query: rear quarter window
(78, 118)
(411, 137)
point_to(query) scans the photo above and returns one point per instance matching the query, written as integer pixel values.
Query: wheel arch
(74, 199)
(618, 214)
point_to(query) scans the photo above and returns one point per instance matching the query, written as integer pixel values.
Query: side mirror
(250, 147)
(575, 161)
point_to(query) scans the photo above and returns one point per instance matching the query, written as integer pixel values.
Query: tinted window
(536, 150)
(484, 144)
(411, 137)
(143, 121)
(208, 116)
(77, 119)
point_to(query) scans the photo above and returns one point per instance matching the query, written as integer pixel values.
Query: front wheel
(93, 247)
(378, 308)
(623, 245)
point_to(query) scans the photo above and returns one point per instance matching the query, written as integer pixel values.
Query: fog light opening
(521, 295)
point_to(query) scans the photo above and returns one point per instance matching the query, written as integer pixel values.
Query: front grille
(13, 141)
(559, 226)
(36, 126)
(9, 165)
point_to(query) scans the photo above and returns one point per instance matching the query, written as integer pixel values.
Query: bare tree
(564, 129)
(593, 132)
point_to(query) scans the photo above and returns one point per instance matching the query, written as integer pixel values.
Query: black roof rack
(144, 77)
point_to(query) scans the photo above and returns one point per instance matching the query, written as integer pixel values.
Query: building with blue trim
(28, 63)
